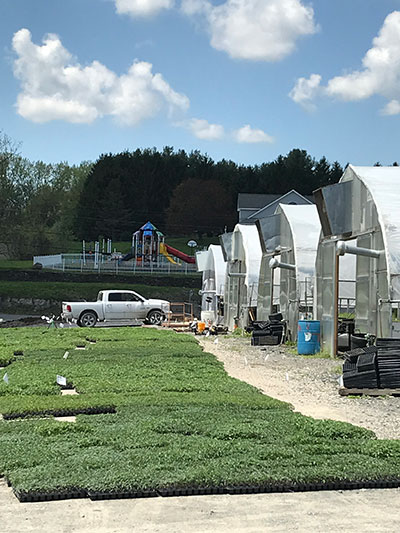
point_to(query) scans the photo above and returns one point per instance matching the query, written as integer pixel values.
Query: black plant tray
(37, 496)
(68, 386)
(352, 355)
(191, 491)
(123, 494)
(62, 412)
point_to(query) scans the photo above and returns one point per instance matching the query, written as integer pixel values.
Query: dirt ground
(309, 384)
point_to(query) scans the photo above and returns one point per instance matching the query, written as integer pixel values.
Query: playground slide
(163, 250)
(180, 255)
(127, 257)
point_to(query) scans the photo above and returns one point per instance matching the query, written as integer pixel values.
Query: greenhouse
(360, 216)
(242, 252)
(212, 264)
(289, 241)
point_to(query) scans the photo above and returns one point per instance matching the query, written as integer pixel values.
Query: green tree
(201, 206)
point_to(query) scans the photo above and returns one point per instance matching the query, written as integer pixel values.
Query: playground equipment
(180, 255)
(165, 253)
(148, 245)
(145, 244)
(97, 256)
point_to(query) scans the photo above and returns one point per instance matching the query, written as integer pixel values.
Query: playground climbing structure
(148, 246)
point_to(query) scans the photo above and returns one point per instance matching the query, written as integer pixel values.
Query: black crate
(366, 361)
(360, 380)
(267, 340)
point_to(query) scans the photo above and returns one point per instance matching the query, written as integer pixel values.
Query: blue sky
(245, 80)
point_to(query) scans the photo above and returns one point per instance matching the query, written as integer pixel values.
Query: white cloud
(56, 87)
(379, 75)
(142, 8)
(391, 108)
(204, 130)
(305, 91)
(263, 30)
(194, 7)
(246, 134)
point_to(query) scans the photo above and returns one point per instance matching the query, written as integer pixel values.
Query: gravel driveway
(310, 384)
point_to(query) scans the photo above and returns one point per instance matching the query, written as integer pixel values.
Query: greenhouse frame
(364, 207)
(242, 252)
(289, 240)
(212, 264)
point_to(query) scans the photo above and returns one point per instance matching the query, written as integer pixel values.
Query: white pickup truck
(115, 305)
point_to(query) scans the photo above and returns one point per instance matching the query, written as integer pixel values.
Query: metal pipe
(274, 263)
(335, 306)
(271, 305)
(343, 248)
(237, 274)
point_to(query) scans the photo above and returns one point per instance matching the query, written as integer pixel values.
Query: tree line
(37, 202)
(45, 206)
(183, 193)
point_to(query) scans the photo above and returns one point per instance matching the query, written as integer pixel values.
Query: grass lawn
(75, 247)
(65, 290)
(8, 264)
(180, 420)
(125, 246)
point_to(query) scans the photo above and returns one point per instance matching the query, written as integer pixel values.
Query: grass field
(8, 264)
(75, 247)
(180, 420)
(125, 246)
(60, 290)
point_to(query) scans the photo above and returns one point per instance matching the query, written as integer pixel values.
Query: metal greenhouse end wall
(364, 207)
(289, 241)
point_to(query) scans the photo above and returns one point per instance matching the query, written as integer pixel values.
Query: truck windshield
(100, 296)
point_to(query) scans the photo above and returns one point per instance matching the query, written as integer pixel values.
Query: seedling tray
(62, 412)
(26, 496)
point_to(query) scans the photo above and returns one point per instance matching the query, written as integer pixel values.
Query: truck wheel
(155, 317)
(87, 319)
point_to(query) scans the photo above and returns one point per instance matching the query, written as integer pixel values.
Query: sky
(245, 80)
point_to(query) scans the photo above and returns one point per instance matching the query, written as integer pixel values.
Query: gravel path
(309, 384)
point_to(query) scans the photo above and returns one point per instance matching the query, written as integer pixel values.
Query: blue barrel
(308, 337)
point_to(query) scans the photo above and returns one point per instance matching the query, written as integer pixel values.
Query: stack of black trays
(389, 363)
(268, 332)
(373, 366)
(360, 369)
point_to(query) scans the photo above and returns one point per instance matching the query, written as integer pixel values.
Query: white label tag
(61, 380)
(66, 355)
(5, 378)
(307, 336)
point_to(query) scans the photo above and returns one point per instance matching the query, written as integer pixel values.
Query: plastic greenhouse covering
(292, 234)
(213, 266)
(242, 250)
(364, 208)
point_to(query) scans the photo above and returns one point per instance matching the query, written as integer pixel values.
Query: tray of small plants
(155, 415)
